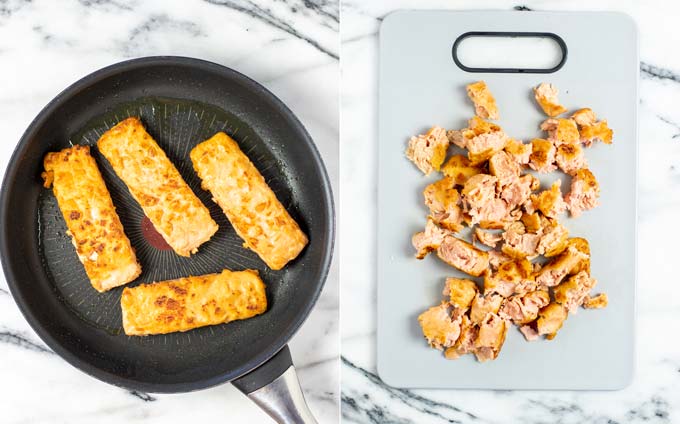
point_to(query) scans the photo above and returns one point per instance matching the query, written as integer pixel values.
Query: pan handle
(275, 388)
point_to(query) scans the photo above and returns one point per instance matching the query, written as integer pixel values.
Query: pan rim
(22, 302)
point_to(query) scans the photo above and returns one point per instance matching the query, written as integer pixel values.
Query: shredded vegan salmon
(546, 97)
(485, 104)
(514, 221)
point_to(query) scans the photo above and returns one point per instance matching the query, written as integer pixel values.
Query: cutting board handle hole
(509, 52)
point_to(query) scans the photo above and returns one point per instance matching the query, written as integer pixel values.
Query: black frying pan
(182, 102)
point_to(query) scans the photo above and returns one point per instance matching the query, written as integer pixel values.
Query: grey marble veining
(290, 46)
(654, 395)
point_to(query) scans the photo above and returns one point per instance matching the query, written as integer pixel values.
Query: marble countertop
(289, 46)
(654, 395)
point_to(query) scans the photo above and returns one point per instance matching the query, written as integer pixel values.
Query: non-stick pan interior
(181, 102)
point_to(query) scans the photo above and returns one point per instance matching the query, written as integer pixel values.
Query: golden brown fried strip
(192, 302)
(154, 182)
(93, 224)
(251, 206)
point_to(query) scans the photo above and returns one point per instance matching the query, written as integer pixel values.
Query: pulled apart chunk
(476, 126)
(479, 197)
(496, 259)
(483, 146)
(550, 320)
(466, 341)
(495, 215)
(598, 131)
(550, 202)
(478, 190)
(460, 169)
(542, 156)
(553, 273)
(554, 237)
(489, 188)
(429, 240)
(428, 151)
(511, 277)
(570, 158)
(523, 309)
(598, 301)
(584, 116)
(585, 190)
(443, 201)
(492, 331)
(505, 168)
(532, 222)
(482, 139)
(529, 332)
(573, 292)
(546, 97)
(561, 131)
(590, 129)
(459, 137)
(440, 325)
(519, 191)
(487, 238)
(463, 256)
(484, 305)
(582, 246)
(461, 292)
(519, 151)
(518, 243)
(485, 104)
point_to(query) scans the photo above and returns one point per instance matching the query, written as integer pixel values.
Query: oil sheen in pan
(177, 125)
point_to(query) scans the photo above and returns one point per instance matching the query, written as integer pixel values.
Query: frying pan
(181, 101)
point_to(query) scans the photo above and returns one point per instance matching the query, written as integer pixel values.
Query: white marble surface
(654, 395)
(289, 46)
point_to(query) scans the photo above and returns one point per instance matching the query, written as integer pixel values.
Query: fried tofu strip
(92, 221)
(192, 302)
(154, 182)
(250, 204)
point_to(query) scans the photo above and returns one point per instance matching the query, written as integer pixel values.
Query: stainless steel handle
(282, 399)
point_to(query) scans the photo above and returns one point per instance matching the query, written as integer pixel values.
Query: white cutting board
(421, 86)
